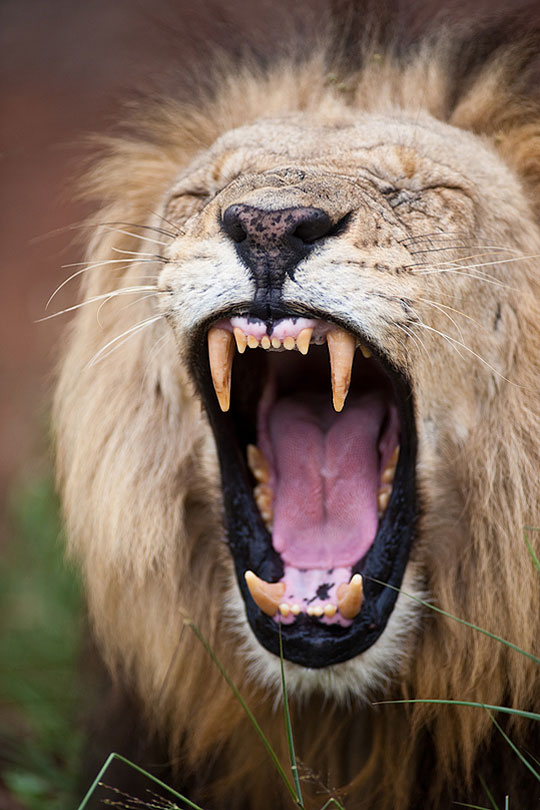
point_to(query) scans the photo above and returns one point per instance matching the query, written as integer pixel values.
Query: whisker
(475, 276)
(412, 334)
(102, 353)
(135, 235)
(123, 309)
(103, 297)
(92, 266)
(138, 253)
(455, 343)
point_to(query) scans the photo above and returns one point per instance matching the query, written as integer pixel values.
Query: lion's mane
(140, 483)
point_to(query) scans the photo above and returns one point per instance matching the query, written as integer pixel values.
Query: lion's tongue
(325, 475)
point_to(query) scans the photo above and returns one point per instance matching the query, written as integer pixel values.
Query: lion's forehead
(403, 151)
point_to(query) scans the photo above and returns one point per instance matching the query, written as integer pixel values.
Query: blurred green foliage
(40, 633)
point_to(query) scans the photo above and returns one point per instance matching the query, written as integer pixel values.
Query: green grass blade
(242, 702)
(157, 781)
(534, 558)
(503, 709)
(515, 748)
(332, 802)
(461, 621)
(473, 806)
(288, 726)
(494, 804)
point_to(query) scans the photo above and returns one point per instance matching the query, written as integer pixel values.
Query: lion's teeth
(284, 609)
(295, 609)
(276, 343)
(289, 343)
(383, 498)
(220, 355)
(252, 342)
(258, 464)
(350, 597)
(365, 352)
(303, 340)
(265, 342)
(341, 347)
(264, 498)
(266, 595)
(330, 610)
(241, 340)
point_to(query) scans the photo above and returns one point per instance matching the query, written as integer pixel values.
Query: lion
(309, 410)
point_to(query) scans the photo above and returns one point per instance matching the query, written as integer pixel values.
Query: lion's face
(318, 270)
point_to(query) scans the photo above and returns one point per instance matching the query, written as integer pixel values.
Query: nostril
(315, 225)
(232, 224)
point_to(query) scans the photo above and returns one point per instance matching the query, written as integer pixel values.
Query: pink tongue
(325, 475)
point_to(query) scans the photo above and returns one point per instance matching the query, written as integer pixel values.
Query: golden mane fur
(140, 482)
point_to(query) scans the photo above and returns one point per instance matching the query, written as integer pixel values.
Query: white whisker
(456, 343)
(102, 353)
(92, 266)
(104, 296)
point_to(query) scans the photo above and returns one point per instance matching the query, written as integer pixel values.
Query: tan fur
(137, 466)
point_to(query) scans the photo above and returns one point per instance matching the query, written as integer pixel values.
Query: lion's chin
(318, 486)
(359, 680)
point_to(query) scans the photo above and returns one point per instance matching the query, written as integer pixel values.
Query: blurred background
(64, 65)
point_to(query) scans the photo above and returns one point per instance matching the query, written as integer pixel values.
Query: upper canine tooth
(350, 597)
(241, 339)
(341, 347)
(265, 342)
(220, 355)
(266, 595)
(304, 339)
(252, 342)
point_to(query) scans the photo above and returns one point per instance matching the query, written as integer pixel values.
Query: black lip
(307, 641)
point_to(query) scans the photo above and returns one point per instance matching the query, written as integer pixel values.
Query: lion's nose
(298, 226)
(272, 243)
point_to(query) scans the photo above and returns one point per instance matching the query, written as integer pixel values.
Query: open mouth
(317, 446)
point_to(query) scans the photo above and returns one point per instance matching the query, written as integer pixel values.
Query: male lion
(311, 404)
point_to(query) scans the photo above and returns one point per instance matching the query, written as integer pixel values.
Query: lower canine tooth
(266, 595)
(341, 348)
(350, 597)
(220, 356)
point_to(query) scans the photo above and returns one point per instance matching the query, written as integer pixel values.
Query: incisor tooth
(220, 355)
(276, 343)
(388, 474)
(258, 464)
(241, 339)
(289, 342)
(284, 609)
(304, 339)
(252, 342)
(266, 595)
(295, 609)
(265, 342)
(350, 597)
(330, 610)
(341, 347)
